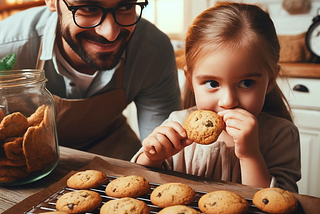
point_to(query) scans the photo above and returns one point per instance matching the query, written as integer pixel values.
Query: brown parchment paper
(119, 168)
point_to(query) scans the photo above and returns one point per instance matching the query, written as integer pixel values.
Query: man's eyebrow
(99, 1)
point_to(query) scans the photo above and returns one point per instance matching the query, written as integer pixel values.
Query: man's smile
(100, 47)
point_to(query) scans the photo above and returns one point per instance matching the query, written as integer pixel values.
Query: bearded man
(98, 57)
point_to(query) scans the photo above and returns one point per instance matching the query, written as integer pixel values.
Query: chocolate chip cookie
(87, 179)
(203, 126)
(79, 201)
(124, 205)
(178, 209)
(222, 201)
(275, 200)
(170, 194)
(128, 186)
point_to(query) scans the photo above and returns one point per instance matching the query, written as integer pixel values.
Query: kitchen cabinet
(303, 96)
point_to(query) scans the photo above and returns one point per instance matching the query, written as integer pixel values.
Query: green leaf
(8, 62)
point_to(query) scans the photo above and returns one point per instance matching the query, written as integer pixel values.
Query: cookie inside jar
(28, 147)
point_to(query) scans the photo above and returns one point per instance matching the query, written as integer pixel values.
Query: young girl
(232, 55)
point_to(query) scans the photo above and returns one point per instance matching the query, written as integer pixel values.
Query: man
(98, 57)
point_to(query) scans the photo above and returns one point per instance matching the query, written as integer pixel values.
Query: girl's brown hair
(234, 25)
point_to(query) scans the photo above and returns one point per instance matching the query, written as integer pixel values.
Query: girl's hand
(242, 126)
(164, 142)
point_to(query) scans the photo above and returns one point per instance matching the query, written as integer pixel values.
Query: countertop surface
(300, 70)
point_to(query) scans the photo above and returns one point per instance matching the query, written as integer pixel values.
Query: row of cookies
(27, 144)
(125, 190)
(171, 197)
(85, 200)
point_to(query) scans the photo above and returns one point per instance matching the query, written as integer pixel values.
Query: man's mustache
(100, 39)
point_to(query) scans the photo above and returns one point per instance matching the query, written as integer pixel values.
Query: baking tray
(50, 203)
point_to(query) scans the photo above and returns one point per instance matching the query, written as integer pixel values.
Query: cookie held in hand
(275, 200)
(203, 126)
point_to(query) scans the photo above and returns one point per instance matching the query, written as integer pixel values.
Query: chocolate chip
(159, 194)
(208, 123)
(214, 203)
(70, 206)
(265, 201)
(115, 189)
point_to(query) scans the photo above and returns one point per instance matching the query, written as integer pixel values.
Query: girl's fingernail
(152, 152)
(184, 134)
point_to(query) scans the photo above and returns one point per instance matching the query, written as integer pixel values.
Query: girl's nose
(228, 100)
(109, 29)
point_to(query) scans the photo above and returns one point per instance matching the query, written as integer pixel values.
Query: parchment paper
(309, 204)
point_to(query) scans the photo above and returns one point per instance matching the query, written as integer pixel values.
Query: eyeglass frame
(105, 11)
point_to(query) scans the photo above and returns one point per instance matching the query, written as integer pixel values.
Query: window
(167, 15)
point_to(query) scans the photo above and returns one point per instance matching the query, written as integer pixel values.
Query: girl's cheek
(205, 101)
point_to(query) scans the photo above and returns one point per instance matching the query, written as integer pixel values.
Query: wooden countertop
(300, 70)
(16, 197)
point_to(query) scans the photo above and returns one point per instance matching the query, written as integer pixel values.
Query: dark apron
(96, 124)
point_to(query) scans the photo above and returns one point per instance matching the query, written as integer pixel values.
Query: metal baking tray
(50, 203)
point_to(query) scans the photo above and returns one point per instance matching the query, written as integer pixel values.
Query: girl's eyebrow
(256, 74)
(206, 77)
(250, 75)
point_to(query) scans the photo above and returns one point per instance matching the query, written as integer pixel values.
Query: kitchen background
(292, 18)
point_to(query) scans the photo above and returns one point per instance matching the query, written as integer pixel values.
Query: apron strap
(40, 63)
(119, 74)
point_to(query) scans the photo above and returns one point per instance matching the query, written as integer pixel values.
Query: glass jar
(28, 135)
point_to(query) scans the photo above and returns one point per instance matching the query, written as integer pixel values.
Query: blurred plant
(8, 62)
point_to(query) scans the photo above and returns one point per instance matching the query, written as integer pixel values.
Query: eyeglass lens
(89, 16)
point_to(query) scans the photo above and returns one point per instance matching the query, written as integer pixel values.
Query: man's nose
(228, 99)
(109, 29)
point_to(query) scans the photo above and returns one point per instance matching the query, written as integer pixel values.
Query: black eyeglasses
(89, 16)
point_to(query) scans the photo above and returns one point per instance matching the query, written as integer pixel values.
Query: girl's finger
(152, 146)
(186, 142)
(177, 128)
(233, 123)
(166, 144)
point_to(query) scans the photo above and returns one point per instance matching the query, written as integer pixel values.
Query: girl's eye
(211, 84)
(246, 83)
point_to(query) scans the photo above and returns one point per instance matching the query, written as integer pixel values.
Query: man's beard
(98, 61)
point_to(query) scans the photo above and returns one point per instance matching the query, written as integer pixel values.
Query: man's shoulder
(149, 34)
